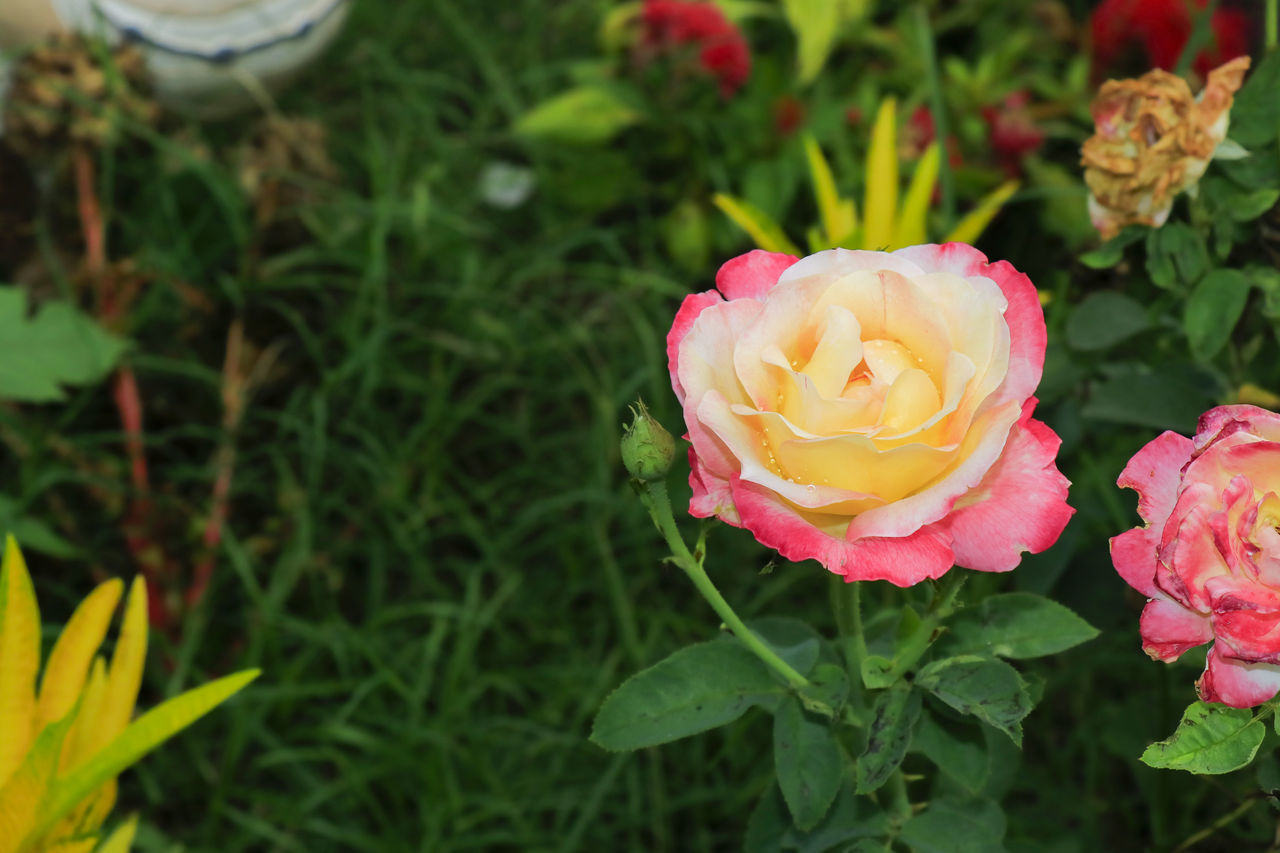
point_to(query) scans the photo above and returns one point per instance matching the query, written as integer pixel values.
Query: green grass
(432, 552)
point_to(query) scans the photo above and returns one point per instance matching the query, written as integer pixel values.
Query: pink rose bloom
(871, 410)
(1209, 555)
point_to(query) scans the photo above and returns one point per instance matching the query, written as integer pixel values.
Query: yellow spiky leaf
(839, 216)
(122, 839)
(913, 219)
(881, 202)
(22, 795)
(124, 678)
(68, 664)
(976, 221)
(766, 233)
(143, 734)
(19, 659)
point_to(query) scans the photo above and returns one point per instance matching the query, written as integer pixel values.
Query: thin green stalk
(938, 107)
(1273, 23)
(660, 509)
(846, 602)
(1201, 35)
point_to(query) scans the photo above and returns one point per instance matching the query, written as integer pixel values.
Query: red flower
(669, 25)
(1013, 134)
(788, 114)
(1161, 28)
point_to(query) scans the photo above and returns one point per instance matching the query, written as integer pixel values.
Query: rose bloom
(1152, 141)
(871, 410)
(1208, 557)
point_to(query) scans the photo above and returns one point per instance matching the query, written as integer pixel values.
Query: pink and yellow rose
(1208, 557)
(871, 410)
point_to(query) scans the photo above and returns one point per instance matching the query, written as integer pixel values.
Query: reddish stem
(233, 392)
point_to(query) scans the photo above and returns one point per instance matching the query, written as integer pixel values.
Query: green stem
(846, 602)
(1273, 23)
(1201, 36)
(660, 508)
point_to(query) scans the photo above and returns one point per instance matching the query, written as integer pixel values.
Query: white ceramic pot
(207, 58)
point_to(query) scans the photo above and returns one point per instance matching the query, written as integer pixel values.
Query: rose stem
(846, 602)
(660, 509)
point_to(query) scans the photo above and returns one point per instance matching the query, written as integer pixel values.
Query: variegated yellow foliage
(63, 745)
(890, 220)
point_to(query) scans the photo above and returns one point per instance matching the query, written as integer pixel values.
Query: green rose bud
(647, 448)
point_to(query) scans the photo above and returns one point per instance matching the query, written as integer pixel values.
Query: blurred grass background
(432, 552)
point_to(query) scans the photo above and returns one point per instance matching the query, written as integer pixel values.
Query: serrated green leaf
(893, 717)
(1176, 255)
(1255, 115)
(695, 689)
(58, 346)
(956, 826)
(1212, 311)
(140, 737)
(990, 690)
(1210, 739)
(960, 755)
(1109, 254)
(590, 114)
(794, 640)
(851, 819)
(1016, 625)
(1103, 320)
(807, 762)
(828, 690)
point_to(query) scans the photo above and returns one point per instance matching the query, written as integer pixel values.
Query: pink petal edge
(693, 305)
(752, 275)
(1020, 505)
(1237, 684)
(903, 561)
(1168, 629)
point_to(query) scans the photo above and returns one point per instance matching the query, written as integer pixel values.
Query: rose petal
(1169, 629)
(712, 495)
(1154, 472)
(833, 264)
(1238, 684)
(752, 275)
(1021, 504)
(901, 561)
(690, 308)
(1024, 316)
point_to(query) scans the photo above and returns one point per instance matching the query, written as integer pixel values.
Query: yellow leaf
(913, 219)
(19, 659)
(22, 796)
(815, 24)
(975, 222)
(880, 206)
(68, 664)
(84, 739)
(764, 231)
(143, 735)
(122, 839)
(838, 215)
(125, 675)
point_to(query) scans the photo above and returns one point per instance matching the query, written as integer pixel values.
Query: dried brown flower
(1153, 140)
